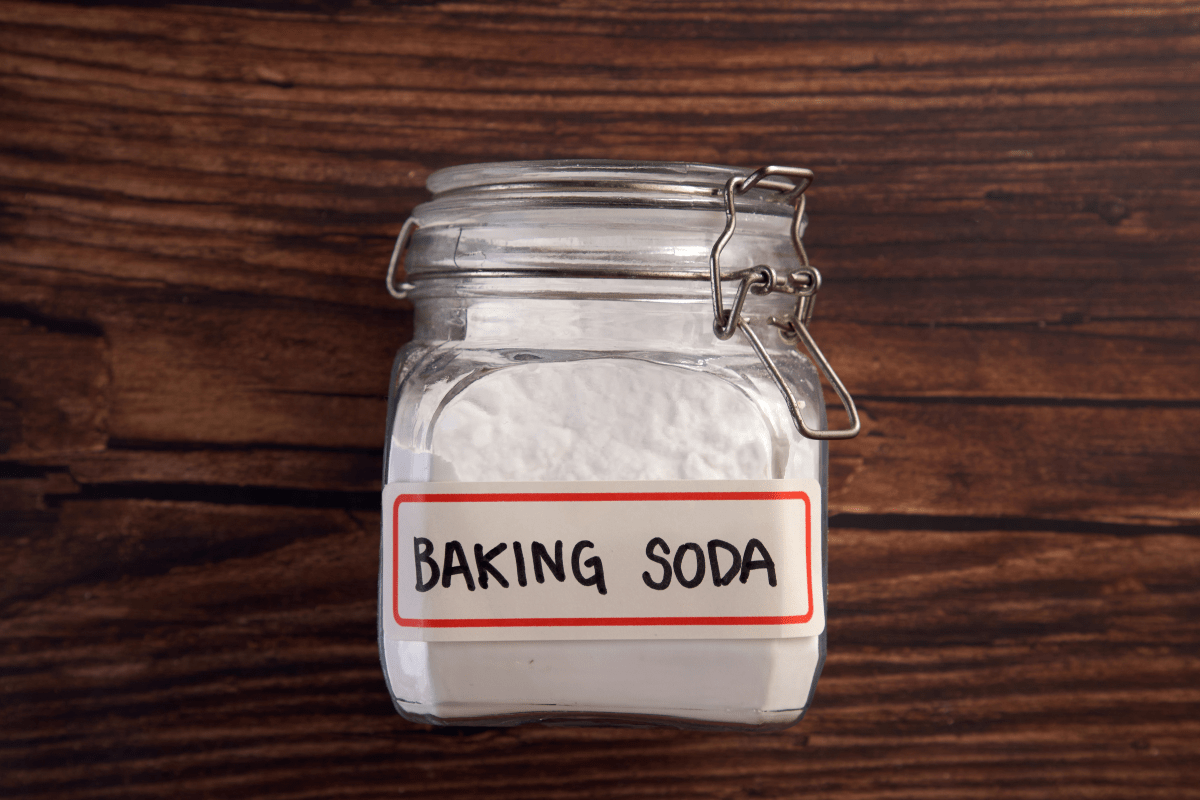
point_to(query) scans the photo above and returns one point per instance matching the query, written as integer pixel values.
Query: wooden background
(196, 207)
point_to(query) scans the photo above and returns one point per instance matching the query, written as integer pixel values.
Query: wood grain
(196, 204)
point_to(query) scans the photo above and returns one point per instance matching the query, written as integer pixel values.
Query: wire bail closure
(406, 231)
(762, 279)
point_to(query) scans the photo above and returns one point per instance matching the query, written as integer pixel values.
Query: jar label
(602, 560)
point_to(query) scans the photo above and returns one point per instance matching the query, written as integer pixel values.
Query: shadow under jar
(597, 510)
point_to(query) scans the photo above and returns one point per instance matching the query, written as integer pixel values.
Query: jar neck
(587, 314)
(594, 218)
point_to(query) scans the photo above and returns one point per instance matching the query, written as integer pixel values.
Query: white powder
(606, 419)
(603, 420)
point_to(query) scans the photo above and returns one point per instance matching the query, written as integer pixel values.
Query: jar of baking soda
(605, 470)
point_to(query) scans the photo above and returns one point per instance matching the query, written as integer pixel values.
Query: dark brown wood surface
(196, 207)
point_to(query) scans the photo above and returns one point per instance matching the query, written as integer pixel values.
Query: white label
(602, 560)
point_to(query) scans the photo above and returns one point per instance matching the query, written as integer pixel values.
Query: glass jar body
(564, 333)
(631, 387)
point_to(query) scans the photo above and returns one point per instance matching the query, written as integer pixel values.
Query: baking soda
(606, 419)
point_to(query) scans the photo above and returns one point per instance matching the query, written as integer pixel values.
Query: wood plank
(1046, 461)
(272, 364)
(993, 437)
(55, 385)
(191, 366)
(179, 465)
(1134, 362)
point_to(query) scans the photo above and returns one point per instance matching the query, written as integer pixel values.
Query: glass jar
(605, 471)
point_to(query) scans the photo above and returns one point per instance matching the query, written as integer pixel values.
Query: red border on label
(576, 497)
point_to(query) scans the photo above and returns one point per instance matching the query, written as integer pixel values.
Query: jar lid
(600, 183)
(707, 180)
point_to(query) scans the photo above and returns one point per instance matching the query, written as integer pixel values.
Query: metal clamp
(761, 279)
(406, 231)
